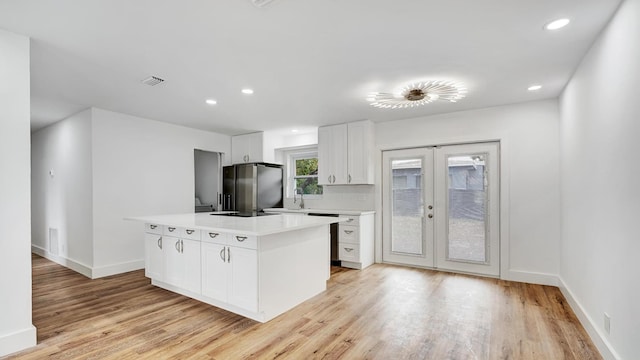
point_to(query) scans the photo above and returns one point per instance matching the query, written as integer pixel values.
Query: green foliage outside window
(306, 176)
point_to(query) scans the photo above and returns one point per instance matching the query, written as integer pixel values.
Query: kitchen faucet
(298, 191)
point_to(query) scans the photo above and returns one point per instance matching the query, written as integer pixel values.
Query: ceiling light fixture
(247, 91)
(534, 87)
(420, 93)
(211, 102)
(557, 24)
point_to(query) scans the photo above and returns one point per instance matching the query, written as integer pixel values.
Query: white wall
(108, 166)
(530, 206)
(61, 192)
(600, 130)
(140, 167)
(16, 329)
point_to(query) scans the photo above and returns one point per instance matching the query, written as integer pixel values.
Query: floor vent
(152, 81)
(53, 241)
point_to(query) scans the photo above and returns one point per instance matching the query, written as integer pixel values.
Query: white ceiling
(310, 62)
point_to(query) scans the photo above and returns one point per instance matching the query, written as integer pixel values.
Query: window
(303, 172)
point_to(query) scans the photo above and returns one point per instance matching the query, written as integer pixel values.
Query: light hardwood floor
(383, 312)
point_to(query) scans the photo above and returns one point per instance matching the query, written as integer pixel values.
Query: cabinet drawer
(353, 220)
(349, 252)
(245, 241)
(172, 231)
(349, 234)
(192, 234)
(153, 228)
(215, 237)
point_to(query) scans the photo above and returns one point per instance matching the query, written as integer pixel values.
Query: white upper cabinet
(345, 154)
(332, 154)
(247, 148)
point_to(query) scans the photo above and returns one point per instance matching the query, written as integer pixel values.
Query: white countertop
(258, 226)
(320, 211)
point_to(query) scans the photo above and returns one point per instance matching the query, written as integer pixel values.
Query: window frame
(291, 157)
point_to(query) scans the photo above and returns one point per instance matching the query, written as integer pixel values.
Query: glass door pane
(466, 240)
(407, 211)
(407, 220)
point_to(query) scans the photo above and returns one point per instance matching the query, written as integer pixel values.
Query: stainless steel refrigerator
(250, 188)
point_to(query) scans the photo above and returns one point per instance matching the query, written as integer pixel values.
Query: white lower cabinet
(230, 274)
(154, 256)
(355, 241)
(182, 263)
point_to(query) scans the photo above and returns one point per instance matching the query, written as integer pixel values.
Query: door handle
(213, 235)
(348, 231)
(189, 231)
(228, 254)
(430, 216)
(160, 242)
(349, 179)
(241, 238)
(177, 246)
(222, 254)
(171, 229)
(349, 249)
(153, 226)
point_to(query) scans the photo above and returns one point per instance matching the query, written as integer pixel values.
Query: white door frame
(503, 193)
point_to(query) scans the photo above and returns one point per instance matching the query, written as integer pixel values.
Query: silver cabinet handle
(181, 247)
(160, 242)
(153, 226)
(349, 249)
(189, 231)
(222, 254)
(334, 179)
(348, 231)
(213, 235)
(329, 179)
(241, 238)
(228, 254)
(177, 246)
(350, 220)
(171, 229)
(245, 158)
(349, 181)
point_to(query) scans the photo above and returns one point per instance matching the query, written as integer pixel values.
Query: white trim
(17, 341)
(114, 269)
(68, 263)
(599, 339)
(530, 277)
(90, 272)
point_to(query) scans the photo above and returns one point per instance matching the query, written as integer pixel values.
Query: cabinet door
(246, 148)
(154, 256)
(360, 153)
(332, 155)
(215, 271)
(243, 281)
(182, 263)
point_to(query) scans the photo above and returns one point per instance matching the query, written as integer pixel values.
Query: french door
(441, 208)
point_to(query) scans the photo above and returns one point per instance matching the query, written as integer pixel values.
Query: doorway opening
(207, 167)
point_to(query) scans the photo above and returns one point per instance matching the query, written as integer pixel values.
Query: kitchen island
(258, 267)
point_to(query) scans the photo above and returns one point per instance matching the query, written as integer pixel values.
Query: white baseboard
(91, 273)
(531, 277)
(598, 338)
(68, 263)
(17, 341)
(115, 269)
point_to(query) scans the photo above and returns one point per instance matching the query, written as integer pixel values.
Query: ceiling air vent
(152, 81)
(261, 3)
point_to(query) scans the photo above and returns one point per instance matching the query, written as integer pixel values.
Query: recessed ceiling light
(211, 102)
(534, 87)
(557, 24)
(247, 91)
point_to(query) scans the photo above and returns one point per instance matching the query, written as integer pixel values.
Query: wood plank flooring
(383, 312)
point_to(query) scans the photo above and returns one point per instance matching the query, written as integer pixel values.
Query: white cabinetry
(154, 256)
(230, 270)
(247, 148)
(355, 241)
(182, 263)
(345, 154)
(332, 154)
